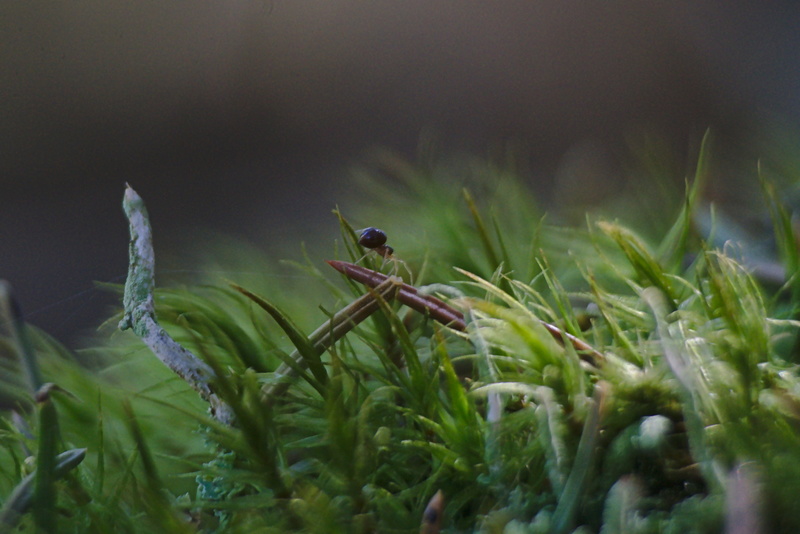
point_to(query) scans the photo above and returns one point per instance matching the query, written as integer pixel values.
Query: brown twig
(408, 295)
(447, 315)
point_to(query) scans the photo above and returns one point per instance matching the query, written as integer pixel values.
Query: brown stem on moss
(449, 316)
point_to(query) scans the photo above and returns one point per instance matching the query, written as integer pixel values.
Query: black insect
(375, 239)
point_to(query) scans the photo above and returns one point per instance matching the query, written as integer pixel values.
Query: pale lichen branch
(140, 313)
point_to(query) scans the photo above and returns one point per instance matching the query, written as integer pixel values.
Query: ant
(375, 240)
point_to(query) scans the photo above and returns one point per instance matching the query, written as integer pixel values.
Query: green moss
(677, 376)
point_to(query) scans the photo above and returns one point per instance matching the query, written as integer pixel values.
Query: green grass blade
(331, 331)
(419, 393)
(44, 510)
(305, 347)
(21, 499)
(641, 259)
(483, 234)
(570, 498)
(786, 238)
(674, 246)
(25, 352)
(501, 241)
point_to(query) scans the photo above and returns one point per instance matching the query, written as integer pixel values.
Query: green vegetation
(677, 411)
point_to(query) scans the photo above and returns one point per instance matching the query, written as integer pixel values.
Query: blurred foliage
(695, 404)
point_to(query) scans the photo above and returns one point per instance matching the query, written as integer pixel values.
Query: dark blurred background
(243, 116)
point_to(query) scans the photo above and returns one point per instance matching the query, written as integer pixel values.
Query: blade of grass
(640, 258)
(349, 236)
(785, 235)
(788, 242)
(673, 247)
(502, 243)
(676, 357)
(622, 505)
(559, 294)
(20, 333)
(570, 498)
(483, 234)
(304, 346)
(331, 331)
(587, 353)
(21, 498)
(44, 509)
(610, 319)
(419, 392)
(44, 498)
(159, 508)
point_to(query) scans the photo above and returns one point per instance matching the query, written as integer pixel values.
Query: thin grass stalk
(676, 357)
(44, 510)
(308, 351)
(585, 351)
(20, 335)
(571, 496)
(483, 233)
(674, 246)
(21, 499)
(154, 498)
(329, 333)
(44, 498)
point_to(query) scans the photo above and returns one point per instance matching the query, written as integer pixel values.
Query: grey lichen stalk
(140, 313)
